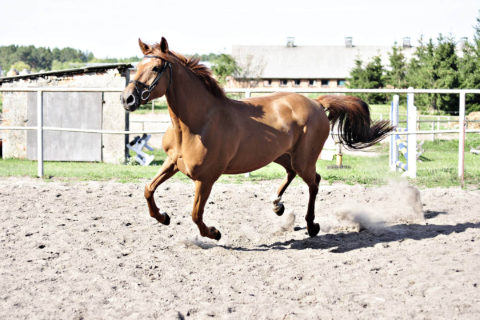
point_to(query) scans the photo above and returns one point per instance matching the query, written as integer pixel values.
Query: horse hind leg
(286, 162)
(313, 181)
(303, 162)
(167, 170)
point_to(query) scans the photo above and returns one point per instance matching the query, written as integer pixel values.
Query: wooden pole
(40, 134)
(461, 139)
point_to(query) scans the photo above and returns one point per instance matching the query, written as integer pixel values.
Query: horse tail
(351, 115)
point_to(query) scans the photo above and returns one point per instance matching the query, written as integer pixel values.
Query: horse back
(269, 126)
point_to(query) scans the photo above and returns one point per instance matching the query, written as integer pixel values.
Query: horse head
(153, 77)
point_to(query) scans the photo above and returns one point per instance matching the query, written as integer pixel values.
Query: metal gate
(80, 110)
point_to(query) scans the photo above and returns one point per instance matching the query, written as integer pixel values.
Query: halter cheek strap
(147, 89)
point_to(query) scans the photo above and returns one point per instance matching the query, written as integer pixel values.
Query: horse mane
(193, 64)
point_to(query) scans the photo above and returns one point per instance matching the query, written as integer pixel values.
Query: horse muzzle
(130, 101)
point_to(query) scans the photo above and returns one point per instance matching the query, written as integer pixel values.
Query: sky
(112, 28)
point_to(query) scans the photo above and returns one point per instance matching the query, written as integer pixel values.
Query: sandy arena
(89, 250)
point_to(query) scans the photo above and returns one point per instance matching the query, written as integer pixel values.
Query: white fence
(247, 93)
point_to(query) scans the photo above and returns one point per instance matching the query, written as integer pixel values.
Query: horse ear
(144, 47)
(164, 45)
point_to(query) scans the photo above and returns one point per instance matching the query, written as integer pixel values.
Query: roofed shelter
(79, 110)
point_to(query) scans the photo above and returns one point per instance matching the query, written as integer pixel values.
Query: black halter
(144, 94)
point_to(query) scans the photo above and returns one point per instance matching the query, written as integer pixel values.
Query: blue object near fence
(403, 149)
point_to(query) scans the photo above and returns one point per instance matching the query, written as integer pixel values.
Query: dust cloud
(397, 202)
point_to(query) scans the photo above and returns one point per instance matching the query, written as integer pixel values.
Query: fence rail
(345, 90)
(82, 130)
(247, 93)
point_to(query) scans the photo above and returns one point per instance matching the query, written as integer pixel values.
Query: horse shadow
(349, 241)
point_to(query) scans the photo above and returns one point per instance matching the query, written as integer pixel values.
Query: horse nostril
(130, 100)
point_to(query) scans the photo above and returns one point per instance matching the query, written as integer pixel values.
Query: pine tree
(370, 77)
(445, 69)
(420, 72)
(469, 69)
(357, 75)
(435, 67)
(396, 75)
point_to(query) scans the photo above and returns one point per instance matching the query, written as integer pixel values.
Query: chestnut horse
(213, 135)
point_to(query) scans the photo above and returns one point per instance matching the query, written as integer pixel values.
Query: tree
(469, 69)
(50, 59)
(396, 75)
(58, 65)
(20, 66)
(8, 56)
(357, 75)
(445, 68)
(420, 73)
(435, 66)
(224, 66)
(370, 77)
(205, 57)
(24, 53)
(41, 58)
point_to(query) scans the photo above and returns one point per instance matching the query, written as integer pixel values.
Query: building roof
(306, 62)
(60, 73)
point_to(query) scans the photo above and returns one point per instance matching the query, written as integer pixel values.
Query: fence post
(461, 137)
(40, 133)
(393, 143)
(411, 138)
(247, 95)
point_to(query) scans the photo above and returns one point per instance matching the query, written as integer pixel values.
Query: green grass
(160, 106)
(359, 173)
(439, 165)
(437, 168)
(76, 170)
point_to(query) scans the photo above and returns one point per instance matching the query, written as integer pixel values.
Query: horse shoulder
(169, 144)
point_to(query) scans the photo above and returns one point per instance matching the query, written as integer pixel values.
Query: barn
(67, 109)
(297, 66)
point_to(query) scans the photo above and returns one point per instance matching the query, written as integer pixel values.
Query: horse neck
(188, 98)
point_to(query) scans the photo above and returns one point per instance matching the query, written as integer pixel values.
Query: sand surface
(89, 250)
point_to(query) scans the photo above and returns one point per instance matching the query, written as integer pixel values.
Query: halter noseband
(145, 93)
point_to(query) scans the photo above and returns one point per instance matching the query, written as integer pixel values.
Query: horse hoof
(313, 230)
(166, 221)
(215, 233)
(279, 209)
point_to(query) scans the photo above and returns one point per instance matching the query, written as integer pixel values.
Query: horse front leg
(202, 191)
(167, 170)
